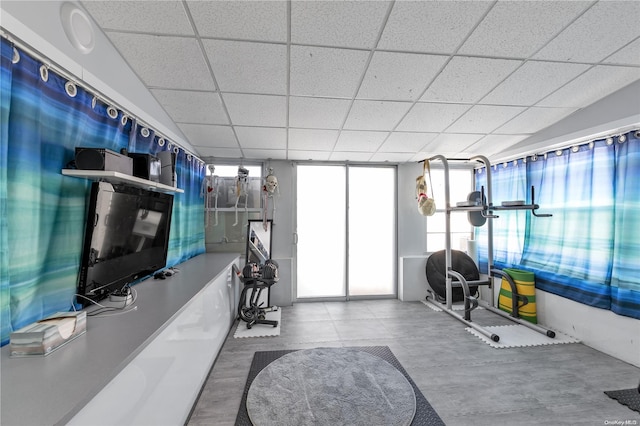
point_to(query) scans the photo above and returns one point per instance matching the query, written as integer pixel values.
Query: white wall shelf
(117, 177)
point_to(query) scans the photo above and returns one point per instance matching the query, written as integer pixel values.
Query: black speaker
(103, 159)
(146, 166)
(168, 168)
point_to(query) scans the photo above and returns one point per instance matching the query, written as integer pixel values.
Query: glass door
(346, 231)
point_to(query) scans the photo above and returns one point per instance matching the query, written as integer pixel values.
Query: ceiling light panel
(318, 71)
(317, 112)
(375, 115)
(353, 24)
(245, 20)
(430, 26)
(508, 30)
(160, 17)
(603, 29)
(399, 76)
(256, 110)
(192, 107)
(168, 62)
(248, 67)
(466, 79)
(532, 82)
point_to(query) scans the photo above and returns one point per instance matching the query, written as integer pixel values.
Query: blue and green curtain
(42, 212)
(587, 251)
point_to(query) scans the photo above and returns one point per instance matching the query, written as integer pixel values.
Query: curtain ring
(145, 132)
(169, 145)
(44, 73)
(592, 144)
(546, 155)
(112, 112)
(515, 163)
(622, 139)
(161, 142)
(16, 56)
(575, 148)
(176, 150)
(71, 89)
(609, 141)
(637, 134)
(504, 165)
(189, 157)
(94, 101)
(124, 119)
(534, 157)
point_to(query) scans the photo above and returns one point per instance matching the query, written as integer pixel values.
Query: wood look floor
(466, 381)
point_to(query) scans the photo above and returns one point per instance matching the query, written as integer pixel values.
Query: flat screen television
(126, 238)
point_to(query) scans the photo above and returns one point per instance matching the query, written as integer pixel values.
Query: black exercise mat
(425, 414)
(628, 397)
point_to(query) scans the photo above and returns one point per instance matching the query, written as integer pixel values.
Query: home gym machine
(257, 278)
(481, 207)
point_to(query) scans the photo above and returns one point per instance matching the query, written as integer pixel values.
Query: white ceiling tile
(312, 139)
(246, 20)
(492, 144)
(533, 120)
(345, 23)
(219, 152)
(592, 86)
(248, 67)
(452, 142)
(466, 79)
(192, 107)
(375, 115)
(160, 17)
(262, 154)
(317, 112)
(209, 135)
(391, 157)
(484, 118)
(628, 55)
(532, 82)
(360, 141)
(169, 62)
(431, 117)
(406, 142)
(520, 28)
(430, 26)
(350, 156)
(256, 110)
(602, 30)
(399, 76)
(261, 137)
(318, 71)
(308, 155)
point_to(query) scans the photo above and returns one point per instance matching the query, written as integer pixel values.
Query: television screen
(126, 238)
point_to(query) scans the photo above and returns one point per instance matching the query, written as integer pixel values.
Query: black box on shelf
(103, 159)
(146, 166)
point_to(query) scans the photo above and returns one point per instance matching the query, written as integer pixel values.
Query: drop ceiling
(372, 81)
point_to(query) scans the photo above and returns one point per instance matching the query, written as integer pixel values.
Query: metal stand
(455, 279)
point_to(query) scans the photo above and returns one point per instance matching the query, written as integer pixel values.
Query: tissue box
(45, 336)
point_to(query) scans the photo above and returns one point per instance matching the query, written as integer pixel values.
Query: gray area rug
(423, 412)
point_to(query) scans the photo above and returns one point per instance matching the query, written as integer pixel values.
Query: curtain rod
(51, 65)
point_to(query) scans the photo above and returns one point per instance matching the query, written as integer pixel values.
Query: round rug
(330, 386)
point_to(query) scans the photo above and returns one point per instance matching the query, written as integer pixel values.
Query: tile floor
(466, 381)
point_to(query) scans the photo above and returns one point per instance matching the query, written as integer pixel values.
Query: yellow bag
(525, 286)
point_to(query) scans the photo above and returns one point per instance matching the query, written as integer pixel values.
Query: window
(460, 185)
